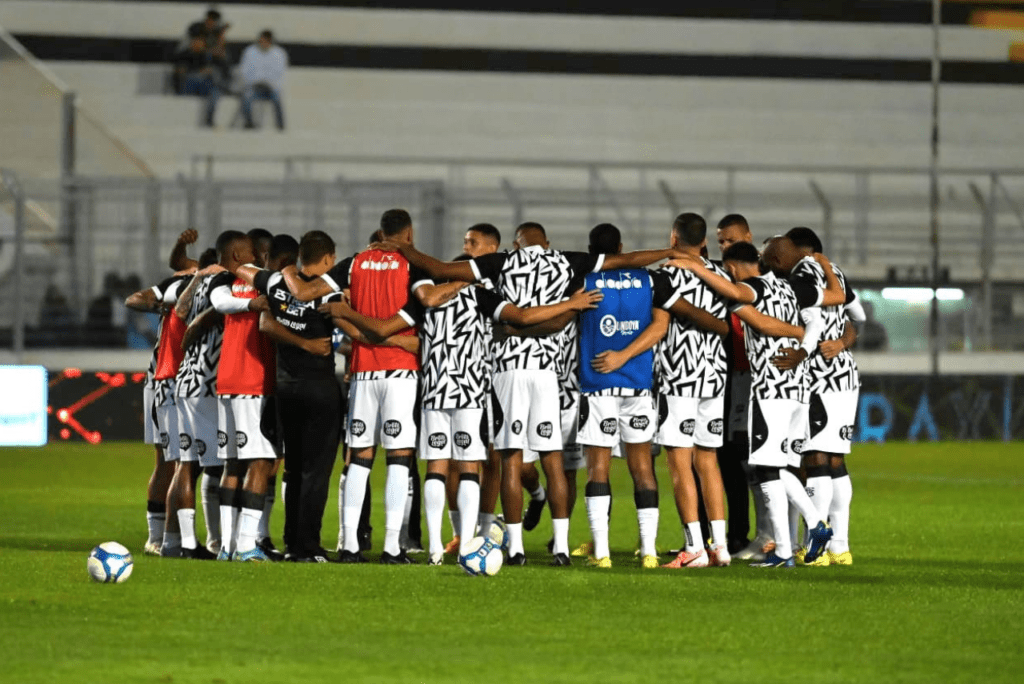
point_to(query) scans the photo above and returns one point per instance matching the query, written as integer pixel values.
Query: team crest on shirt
(609, 426)
(392, 428)
(715, 426)
(463, 439)
(437, 440)
(222, 439)
(545, 429)
(200, 447)
(184, 441)
(517, 426)
(241, 439)
(688, 426)
(639, 422)
(357, 428)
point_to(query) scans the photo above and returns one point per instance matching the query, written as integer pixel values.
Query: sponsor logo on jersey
(241, 439)
(545, 429)
(517, 427)
(609, 426)
(200, 447)
(357, 427)
(222, 439)
(463, 439)
(437, 440)
(639, 422)
(611, 325)
(624, 283)
(715, 426)
(392, 428)
(388, 264)
(688, 426)
(846, 432)
(184, 441)
(165, 440)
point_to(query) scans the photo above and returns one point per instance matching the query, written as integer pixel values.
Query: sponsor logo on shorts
(846, 432)
(545, 429)
(785, 446)
(222, 439)
(715, 426)
(463, 439)
(517, 427)
(200, 447)
(611, 325)
(165, 440)
(184, 442)
(437, 440)
(609, 426)
(688, 426)
(357, 428)
(639, 422)
(392, 428)
(241, 439)
(798, 446)
(810, 491)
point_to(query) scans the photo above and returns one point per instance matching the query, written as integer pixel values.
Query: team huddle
(492, 364)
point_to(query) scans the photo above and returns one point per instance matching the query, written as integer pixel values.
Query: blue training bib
(618, 319)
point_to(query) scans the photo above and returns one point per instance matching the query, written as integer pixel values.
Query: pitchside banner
(94, 407)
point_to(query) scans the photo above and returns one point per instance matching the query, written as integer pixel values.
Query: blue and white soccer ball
(482, 557)
(497, 532)
(110, 562)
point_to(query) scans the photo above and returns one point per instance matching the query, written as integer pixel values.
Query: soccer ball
(498, 533)
(110, 562)
(482, 557)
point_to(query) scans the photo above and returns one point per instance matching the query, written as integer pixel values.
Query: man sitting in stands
(195, 74)
(263, 66)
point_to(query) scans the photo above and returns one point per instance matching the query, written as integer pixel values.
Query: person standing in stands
(263, 65)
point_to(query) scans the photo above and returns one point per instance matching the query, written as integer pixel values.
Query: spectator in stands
(263, 66)
(195, 74)
(211, 28)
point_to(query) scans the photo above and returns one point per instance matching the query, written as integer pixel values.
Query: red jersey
(739, 351)
(247, 363)
(379, 287)
(169, 352)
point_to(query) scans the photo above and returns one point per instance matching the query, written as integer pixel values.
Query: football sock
(156, 518)
(172, 540)
(693, 540)
(455, 520)
(819, 489)
(839, 514)
(341, 509)
(187, 522)
(538, 494)
(403, 536)
(268, 507)
(515, 538)
(647, 520)
(210, 492)
(433, 501)
(777, 505)
(468, 499)
(794, 527)
(396, 495)
(355, 492)
(228, 519)
(598, 499)
(248, 528)
(560, 527)
(718, 536)
(484, 521)
(798, 497)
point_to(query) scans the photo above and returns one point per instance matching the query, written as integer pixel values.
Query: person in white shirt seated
(263, 66)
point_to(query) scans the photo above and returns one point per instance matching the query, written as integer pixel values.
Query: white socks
(210, 492)
(484, 520)
(515, 538)
(156, 522)
(718, 537)
(693, 541)
(396, 494)
(647, 518)
(560, 527)
(798, 497)
(839, 514)
(228, 518)
(468, 499)
(597, 513)
(777, 505)
(341, 511)
(433, 501)
(187, 522)
(355, 493)
(819, 490)
(248, 529)
(172, 541)
(538, 494)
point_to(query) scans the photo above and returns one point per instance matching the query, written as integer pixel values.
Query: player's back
(247, 363)
(379, 288)
(776, 299)
(623, 313)
(839, 373)
(455, 358)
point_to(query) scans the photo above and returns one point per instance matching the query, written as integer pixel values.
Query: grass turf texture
(935, 593)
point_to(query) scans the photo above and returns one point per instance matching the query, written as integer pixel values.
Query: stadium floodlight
(921, 295)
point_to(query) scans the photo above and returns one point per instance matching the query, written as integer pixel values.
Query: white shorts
(383, 412)
(831, 417)
(459, 434)
(198, 430)
(527, 405)
(606, 421)
(778, 428)
(167, 420)
(238, 428)
(150, 431)
(690, 421)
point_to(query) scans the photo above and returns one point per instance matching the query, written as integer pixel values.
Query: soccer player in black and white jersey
(777, 415)
(526, 379)
(835, 385)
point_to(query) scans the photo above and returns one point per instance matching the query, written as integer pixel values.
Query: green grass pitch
(935, 594)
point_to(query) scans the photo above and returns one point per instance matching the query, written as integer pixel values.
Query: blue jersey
(618, 319)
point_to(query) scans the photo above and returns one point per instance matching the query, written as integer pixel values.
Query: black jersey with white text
(454, 358)
(532, 276)
(839, 374)
(774, 297)
(197, 374)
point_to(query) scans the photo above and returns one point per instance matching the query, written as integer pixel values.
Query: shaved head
(531, 234)
(781, 255)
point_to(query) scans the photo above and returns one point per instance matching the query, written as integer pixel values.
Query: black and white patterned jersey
(453, 354)
(839, 374)
(532, 276)
(165, 289)
(197, 375)
(569, 366)
(774, 296)
(691, 361)
(808, 282)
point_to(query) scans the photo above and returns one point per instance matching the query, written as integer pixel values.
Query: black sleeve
(487, 302)
(417, 276)
(413, 311)
(757, 285)
(223, 279)
(661, 289)
(850, 294)
(807, 295)
(581, 263)
(488, 267)
(262, 281)
(340, 273)
(164, 284)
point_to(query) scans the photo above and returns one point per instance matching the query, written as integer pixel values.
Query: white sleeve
(856, 311)
(814, 326)
(224, 302)
(170, 295)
